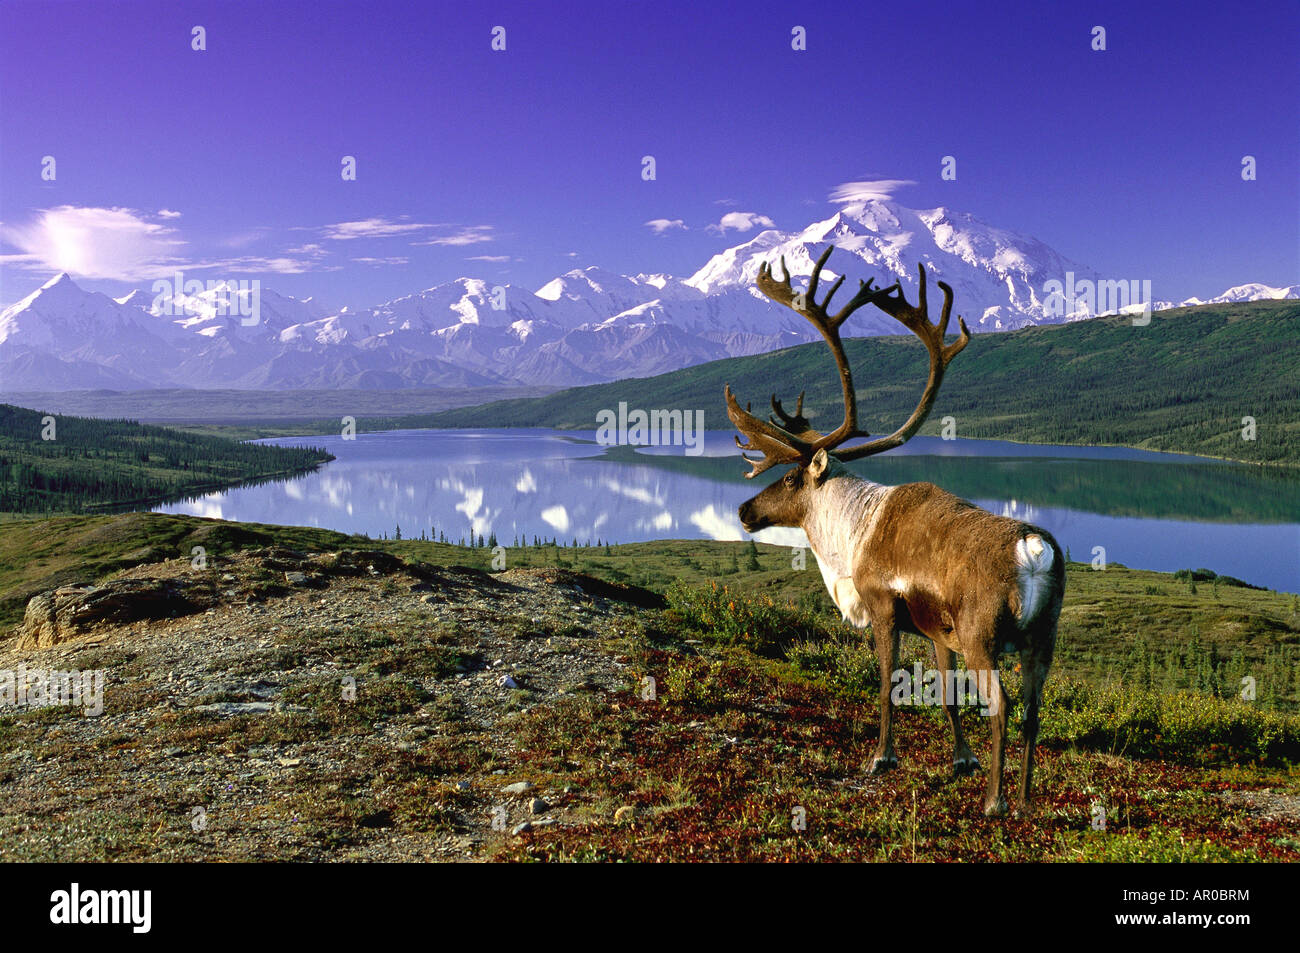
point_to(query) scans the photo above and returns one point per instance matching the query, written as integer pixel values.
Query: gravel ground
(328, 707)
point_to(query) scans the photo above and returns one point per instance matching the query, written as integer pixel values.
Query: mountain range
(587, 326)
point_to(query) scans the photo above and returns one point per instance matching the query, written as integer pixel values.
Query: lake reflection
(1151, 511)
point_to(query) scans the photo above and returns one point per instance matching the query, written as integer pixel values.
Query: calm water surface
(1148, 510)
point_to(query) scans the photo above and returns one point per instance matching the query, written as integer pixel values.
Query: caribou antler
(795, 423)
(800, 442)
(776, 445)
(917, 320)
(796, 441)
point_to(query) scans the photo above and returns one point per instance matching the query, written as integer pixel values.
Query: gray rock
(531, 825)
(238, 708)
(71, 611)
(519, 787)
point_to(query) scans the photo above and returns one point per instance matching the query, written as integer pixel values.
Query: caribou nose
(748, 518)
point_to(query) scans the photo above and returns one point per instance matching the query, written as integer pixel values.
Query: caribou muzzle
(750, 519)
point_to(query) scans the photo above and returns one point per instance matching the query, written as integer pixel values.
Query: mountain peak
(876, 214)
(61, 280)
(138, 298)
(60, 291)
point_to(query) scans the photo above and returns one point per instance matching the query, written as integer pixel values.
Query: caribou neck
(838, 526)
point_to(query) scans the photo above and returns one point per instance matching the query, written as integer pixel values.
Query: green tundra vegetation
(1184, 382)
(767, 700)
(1120, 627)
(81, 464)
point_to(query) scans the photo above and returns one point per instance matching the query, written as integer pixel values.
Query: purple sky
(227, 161)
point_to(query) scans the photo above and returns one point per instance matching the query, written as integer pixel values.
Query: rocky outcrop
(72, 611)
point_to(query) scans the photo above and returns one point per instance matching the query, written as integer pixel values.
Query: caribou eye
(791, 479)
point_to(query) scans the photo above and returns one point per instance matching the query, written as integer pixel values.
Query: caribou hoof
(996, 808)
(1024, 810)
(963, 766)
(881, 764)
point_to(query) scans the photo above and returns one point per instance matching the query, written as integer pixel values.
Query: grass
(1126, 628)
(39, 554)
(764, 713)
(741, 743)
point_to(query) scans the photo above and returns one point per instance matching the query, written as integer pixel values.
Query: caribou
(912, 557)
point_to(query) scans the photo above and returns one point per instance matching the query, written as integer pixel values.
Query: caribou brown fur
(913, 557)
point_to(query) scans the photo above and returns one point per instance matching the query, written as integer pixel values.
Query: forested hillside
(76, 464)
(1182, 383)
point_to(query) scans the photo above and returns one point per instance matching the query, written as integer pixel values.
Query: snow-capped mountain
(997, 276)
(61, 337)
(1249, 292)
(585, 326)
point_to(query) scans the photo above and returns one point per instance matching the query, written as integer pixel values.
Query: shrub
(1156, 845)
(757, 623)
(695, 684)
(847, 666)
(1181, 726)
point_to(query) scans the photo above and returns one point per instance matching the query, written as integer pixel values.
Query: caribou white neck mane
(837, 527)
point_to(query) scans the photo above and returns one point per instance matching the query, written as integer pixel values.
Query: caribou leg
(963, 759)
(884, 631)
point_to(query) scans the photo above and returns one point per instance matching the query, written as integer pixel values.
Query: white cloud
(371, 228)
(97, 243)
(473, 499)
(250, 236)
(122, 244)
(787, 537)
(741, 222)
(168, 213)
(638, 493)
(717, 525)
(557, 516)
(877, 190)
(465, 235)
(495, 258)
(283, 266)
(661, 225)
(395, 260)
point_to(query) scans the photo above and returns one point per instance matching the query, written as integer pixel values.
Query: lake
(1147, 510)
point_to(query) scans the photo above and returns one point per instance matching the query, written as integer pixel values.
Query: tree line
(56, 463)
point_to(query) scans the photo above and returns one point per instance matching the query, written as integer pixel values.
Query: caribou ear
(817, 469)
